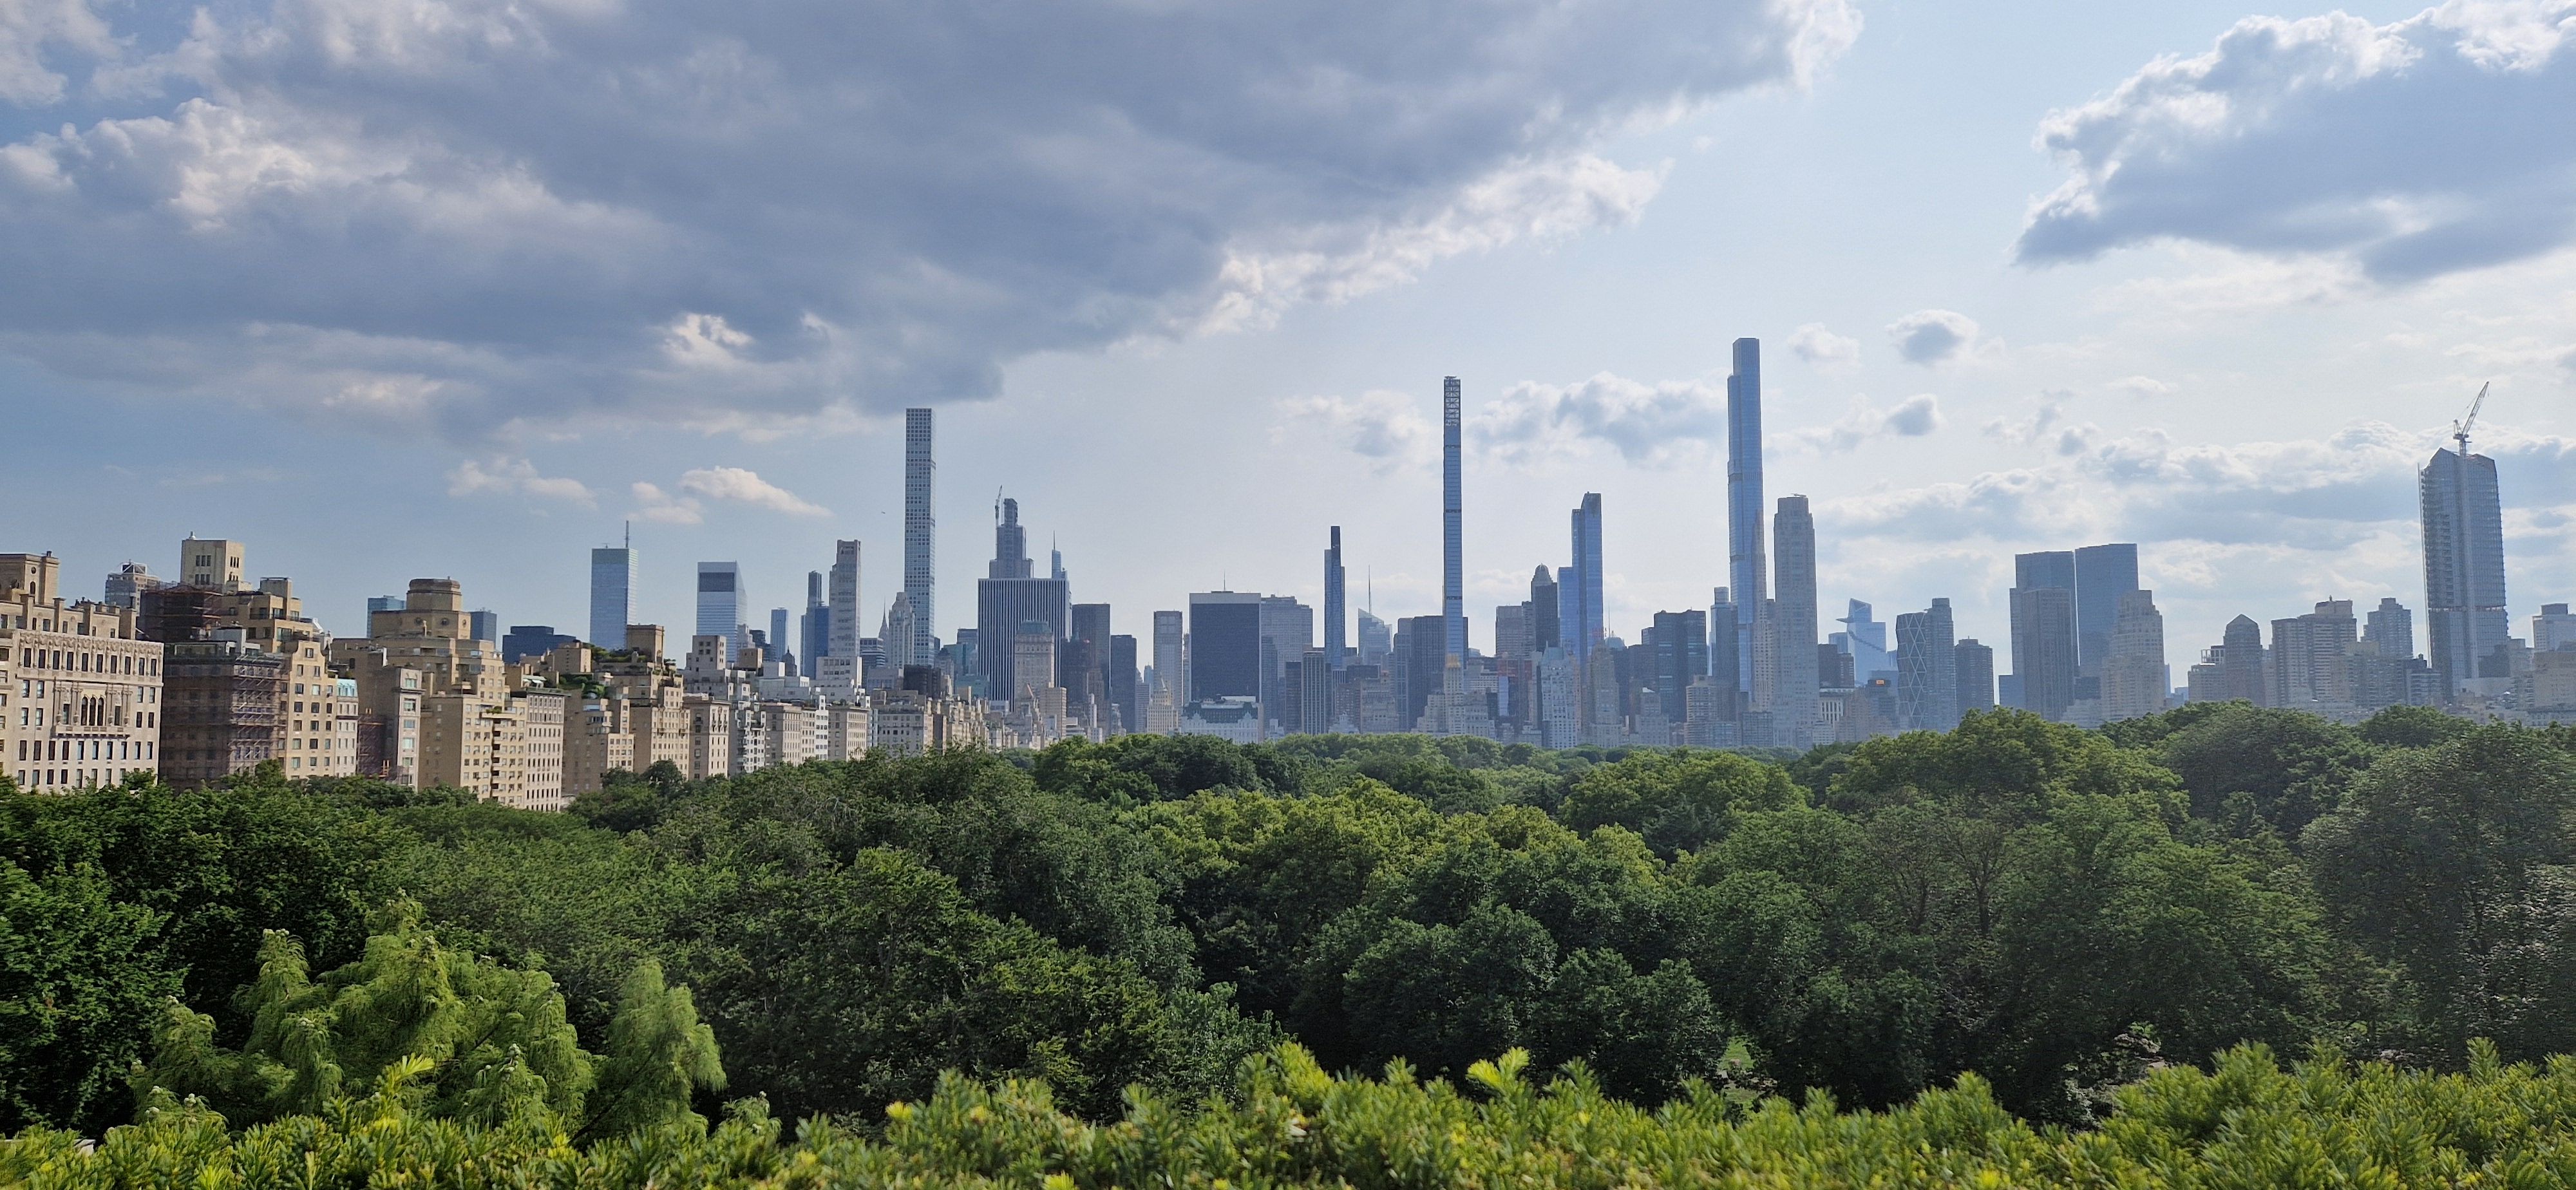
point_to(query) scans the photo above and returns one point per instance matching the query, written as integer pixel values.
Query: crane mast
(2460, 428)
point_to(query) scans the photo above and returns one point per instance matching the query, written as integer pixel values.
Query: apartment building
(80, 690)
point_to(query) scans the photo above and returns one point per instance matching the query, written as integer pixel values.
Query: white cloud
(2141, 387)
(1913, 417)
(714, 215)
(2408, 150)
(1823, 348)
(1673, 423)
(513, 477)
(1379, 425)
(686, 503)
(1935, 336)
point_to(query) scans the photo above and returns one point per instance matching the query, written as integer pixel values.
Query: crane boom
(2460, 429)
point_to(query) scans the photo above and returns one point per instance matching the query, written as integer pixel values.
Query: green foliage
(77, 970)
(1679, 801)
(473, 1040)
(2247, 1124)
(2412, 727)
(2247, 767)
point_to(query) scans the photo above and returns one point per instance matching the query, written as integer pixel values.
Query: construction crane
(2460, 428)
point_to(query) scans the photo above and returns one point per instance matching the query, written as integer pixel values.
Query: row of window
(33, 750)
(86, 662)
(72, 778)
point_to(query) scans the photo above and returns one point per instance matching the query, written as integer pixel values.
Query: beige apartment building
(313, 728)
(544, 712)
(599, 739)
(80, 691)
(427, 689)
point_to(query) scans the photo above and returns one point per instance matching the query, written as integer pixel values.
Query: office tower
(2233, 670)
(1421, 665)
(125, 588)
(843, 591)
(2134, 684)
(2104, 575)
(1795, 709)
(1927, 669)
(2043, 648)
(1453, 574)
(896, 640)
(612, 594)
(1514, 663)
(778, 634)
(1035, 648)
(382, 603)
(920, 574)
(1336, 615)
(2312, 657)
(1315, 692)
(2552, 630)
(2390, 630)
(1123, 694)
(214, 563)
(486, 625)
(1680, 657)
(1975, 666)
(1864, 639)
(1723, 657)
(1225, 645)
(1569, 609)
(1006, 601)
(1745, 568)
(1090, 627)
(1055, 564)
(813, 626)
(1587, 590)
(1091, 623)
(1171, 668)
(1377, 639)
(1287, 631)
(1546, 631)
(524, 641)
(720, 600)
(2464, 601)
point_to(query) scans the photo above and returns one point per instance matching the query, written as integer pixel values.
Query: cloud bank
(456, 215)
(2426, 146)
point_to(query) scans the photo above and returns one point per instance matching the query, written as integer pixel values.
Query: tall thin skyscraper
(778, 633)
(1335, 616)
(1453, 574)
(1171, 668)
(720, 601)
(814, 627)
(1588, 590)
(920, 532)
(1794, 703)
(612, 594)
(1546, 631)
(1745, 567)
(2464, 603)
(844, 596)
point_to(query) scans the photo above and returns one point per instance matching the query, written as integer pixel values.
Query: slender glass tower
(720, 602)
(1588, 590)
(612, 594)
(844, 594)
(1453, 578)
(1745, 566)
(920, 575)
(1335, 614)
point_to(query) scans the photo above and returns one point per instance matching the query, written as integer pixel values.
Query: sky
(404, 288)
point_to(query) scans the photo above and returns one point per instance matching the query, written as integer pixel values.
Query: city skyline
(2024, 355)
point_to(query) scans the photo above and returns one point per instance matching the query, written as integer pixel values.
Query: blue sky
(455, 288)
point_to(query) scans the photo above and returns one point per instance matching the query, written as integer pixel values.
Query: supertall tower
(920, 574)
(1453, 577)
(1589, 621)
(1335, 614)
(2464, 605)
(1744, 501)
(1794, 698)
(843, 594)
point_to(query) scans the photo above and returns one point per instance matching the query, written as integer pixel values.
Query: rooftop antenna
(630, 535)
(2460, 428)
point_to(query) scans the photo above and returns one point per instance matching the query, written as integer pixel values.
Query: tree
(80, 974)
(2412, 727)
(2290, 766)
(1679, 801)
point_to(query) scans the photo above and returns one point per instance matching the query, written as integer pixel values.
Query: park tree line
(2060, 912)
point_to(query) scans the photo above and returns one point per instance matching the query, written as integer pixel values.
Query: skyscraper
(1745, 569)
(1587, 591)
(2044, 646)
(1927, 670)
(778, 633)
(1225, 645)
(2312, 657)
(1795, 709)
(920, 532)
(814, 627)
(2391, 630)
(612, 594)
(720, 601)
(844, 592)
(2104, 575)
(1976, 673)
(1724, 657)
(2043, 649)
(1090, 625)
(1680, 657)
(1453, 574)
(1122, 684)
(2464, 602)
(1377, 639)
(1171, 668)
(1336, 616)
(1007, 600)
(1546, 632)
(2134, 684)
